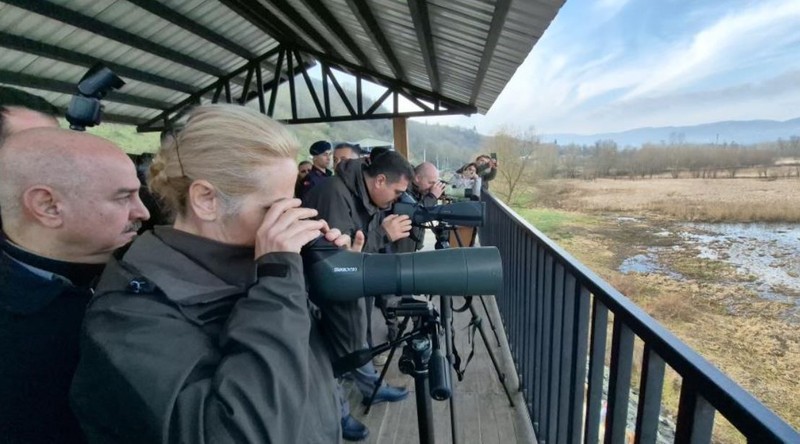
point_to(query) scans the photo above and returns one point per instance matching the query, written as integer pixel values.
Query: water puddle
(769, 253)
(766, 255)
(648, 263)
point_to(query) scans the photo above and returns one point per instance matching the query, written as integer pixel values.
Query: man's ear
(203, 200)
(380, 181)
(44, 205)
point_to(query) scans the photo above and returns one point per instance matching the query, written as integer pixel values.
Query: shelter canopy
(443, 56)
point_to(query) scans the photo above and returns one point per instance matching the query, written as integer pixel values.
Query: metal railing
(556, 313)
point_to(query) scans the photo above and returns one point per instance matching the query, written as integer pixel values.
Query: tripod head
(422, 356)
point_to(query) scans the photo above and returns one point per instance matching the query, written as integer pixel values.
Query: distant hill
(740, 132)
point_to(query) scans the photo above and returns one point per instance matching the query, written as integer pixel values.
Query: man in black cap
(320, 159)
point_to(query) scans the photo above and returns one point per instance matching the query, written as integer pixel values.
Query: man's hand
(287, 227)
(437, 189)
(396, 226)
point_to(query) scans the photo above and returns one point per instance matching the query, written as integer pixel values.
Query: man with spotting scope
(355, 199)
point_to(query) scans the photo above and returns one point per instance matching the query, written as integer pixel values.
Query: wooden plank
(504, 418)
(469, 418)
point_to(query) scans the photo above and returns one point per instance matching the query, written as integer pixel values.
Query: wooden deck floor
(483, 412)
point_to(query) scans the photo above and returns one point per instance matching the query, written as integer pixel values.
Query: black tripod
(422, 358)
(442, 232)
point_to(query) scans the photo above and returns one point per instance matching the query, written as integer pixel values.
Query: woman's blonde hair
(223, 144)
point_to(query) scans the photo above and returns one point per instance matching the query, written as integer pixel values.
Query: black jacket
(313, 178)
(416, 240)
(40, 319)
(345, 204)
(173, 353)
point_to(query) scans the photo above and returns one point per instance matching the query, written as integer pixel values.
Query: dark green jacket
(171, 353)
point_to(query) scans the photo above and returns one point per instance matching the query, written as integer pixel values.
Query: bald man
(68, 200)
(426, 188)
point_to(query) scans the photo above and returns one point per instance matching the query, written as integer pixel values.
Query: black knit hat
(319, 147)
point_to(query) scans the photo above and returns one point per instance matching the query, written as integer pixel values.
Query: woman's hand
(342, 241)
(287, 227)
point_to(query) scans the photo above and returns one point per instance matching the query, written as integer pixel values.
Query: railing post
(695, 416)
(619, 382)
(596, 371)
(650, 392)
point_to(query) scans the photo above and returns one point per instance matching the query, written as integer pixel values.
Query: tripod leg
(489, 318)
(500, 375)
(446, 307)
(424, 409)
(385, 368)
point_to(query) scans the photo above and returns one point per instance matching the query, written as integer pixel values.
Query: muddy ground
(702, 298)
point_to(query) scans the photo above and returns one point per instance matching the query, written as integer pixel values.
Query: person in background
(20, 110)
(157, 214)
(303, 169)
(375, 152)
(467, 176)
(68, 200)
(320, 161)
(487, 169)
(345, 151)
(201, 332)
(426, 189)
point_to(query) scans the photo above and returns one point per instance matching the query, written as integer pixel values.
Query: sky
(612, 65)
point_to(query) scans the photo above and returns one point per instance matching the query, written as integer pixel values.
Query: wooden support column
(400, 130)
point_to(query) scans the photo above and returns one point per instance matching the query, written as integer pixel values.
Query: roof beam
(422, 25)
(375, 116)
(258, 16)
(26, 80)
(194, 98)
(29, 46)
(184, 22)
(298, 19)
(370, 24)
(95, 26)
(388, 81)
(266, 21)
(329, 20)
(498, 20)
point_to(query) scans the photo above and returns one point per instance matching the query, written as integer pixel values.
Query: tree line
(525, 158)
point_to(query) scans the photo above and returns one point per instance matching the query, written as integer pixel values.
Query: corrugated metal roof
(174, 53)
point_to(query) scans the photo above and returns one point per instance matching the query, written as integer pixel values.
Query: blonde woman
(200, 332)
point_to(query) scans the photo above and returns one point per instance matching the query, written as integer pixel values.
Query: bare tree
(515, 153)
